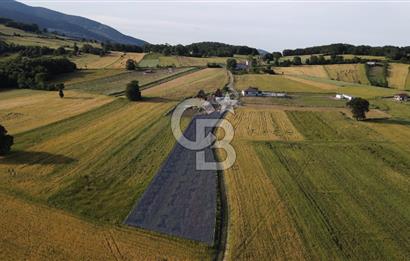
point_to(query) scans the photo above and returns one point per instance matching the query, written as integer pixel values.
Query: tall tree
(359, 108)
(231, 64)
(133, 91)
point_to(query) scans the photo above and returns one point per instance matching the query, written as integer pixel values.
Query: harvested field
(188, 86)
(263, 124)
(309, 70)
(322, 85)
(274, 83)
(353, 73)
(311, 100)
(116, 83)
(84, 76)
(35, 232)
(181, 200)
(398, 75)
(23, 110)
(77, 160)
(113, 60)
(154, 59)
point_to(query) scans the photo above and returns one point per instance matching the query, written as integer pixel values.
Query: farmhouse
(253, 91)
(401, 97)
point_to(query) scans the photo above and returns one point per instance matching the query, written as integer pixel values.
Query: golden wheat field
(22, 110)
(307, 70)
(397, 75)
(353, 73)
(188, 86)
(36, 232)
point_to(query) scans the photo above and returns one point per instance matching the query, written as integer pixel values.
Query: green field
(339, 192)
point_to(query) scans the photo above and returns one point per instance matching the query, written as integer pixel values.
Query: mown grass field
(309, 70)
(276, 83)
(113, 60)
(154, 60)
(188, 86)
(336, 190)
(353, 73)
(23, 110)
(36, 232)
(397, 76)
(113, 81)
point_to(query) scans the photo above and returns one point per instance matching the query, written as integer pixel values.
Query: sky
(267, 24)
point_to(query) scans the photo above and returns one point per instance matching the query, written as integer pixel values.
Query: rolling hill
(73, 26)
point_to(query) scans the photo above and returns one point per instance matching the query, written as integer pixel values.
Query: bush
(133, 91)
(6, 141)
(130, 65)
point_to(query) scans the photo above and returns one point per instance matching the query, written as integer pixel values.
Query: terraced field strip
(117, 83)
(187, 86)
(113, 60)
(23, 110)
(161, 81)
(36, 232)
(304, 70)
(353, 73)
(397, 75)
(276, 83)
(181, 200)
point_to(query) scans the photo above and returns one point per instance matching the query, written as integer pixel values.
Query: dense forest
(392, 52)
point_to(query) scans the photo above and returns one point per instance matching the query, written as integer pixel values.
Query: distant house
(343, 97)
(371, 63)
(253, 92)
(242, 66)
(401, 97)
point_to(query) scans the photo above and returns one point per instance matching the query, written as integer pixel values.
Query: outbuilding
(401, 97)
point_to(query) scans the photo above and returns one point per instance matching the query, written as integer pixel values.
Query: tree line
(33, 28)
(34, 73)
(202, 49)
(391, 52)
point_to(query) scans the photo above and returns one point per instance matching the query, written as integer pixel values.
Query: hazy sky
(271, 26)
